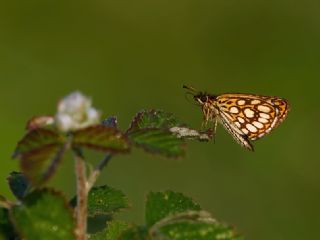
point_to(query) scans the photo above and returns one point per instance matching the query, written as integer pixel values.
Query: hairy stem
(82, 196)
(95, 174)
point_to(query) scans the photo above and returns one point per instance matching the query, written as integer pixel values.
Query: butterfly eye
(200, 98)
(203, 98)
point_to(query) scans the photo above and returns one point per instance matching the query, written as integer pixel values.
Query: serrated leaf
(40, 152)
(153, 119)
(158, 141)
(37, 139)
(113, 231)
(150, 130)
(44, 215)
(18, 184)
(163, 204)
(158, 119)
(6, 229)
(102, 138)
(135, 233)
(104, 200)
(192, 225)
(185, 230)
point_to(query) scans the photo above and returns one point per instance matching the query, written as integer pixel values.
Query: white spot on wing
(251, 128)
(241, 102)
(238, 124)
(234, 110)
(245, 131)
(274, 122)
(256, 101)
(249, 113)
(258, 124)
(264, 115)
(240, 119)
(263, 120)
(263, 108)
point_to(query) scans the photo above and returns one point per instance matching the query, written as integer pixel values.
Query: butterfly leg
(215, 129)
(206, 116)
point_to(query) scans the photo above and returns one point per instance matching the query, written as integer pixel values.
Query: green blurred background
(131, 55)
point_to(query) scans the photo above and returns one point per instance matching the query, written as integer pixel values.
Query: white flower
(75, 112)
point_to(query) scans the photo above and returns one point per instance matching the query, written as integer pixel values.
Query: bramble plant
(42, 213)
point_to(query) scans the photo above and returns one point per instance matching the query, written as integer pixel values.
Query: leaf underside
(40, 152)
(102, 138)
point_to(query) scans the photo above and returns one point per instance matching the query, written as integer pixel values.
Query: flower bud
(75, 112)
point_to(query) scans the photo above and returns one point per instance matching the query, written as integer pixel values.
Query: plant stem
(5, 203)
(82, 196)
(95, 174)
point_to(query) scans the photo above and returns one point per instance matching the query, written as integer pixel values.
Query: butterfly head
(200, 97)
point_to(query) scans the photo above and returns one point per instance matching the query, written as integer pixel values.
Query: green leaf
(105, 200)
(158, 141)
(153, 119)
(163, 204)
(112, 232)
(150, 130)
(197, 230)
(44, 215)
(135, 233)
(18, 184)
(6, 229)
(40, 152)
(158, 119)
(192, 225)
(102, 138)
(98, 223)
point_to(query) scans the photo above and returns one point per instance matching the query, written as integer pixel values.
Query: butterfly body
(247, 117)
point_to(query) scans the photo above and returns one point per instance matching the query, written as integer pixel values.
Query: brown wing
(254, 115)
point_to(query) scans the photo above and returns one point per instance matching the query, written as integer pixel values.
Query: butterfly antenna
(191, 89)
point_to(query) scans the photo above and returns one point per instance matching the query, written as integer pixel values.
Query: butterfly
(247, 117)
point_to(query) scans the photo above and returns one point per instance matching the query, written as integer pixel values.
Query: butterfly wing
(254, 115)
(235, 131)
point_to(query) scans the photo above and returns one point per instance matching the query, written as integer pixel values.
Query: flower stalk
(82, 196)
(95, 174)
